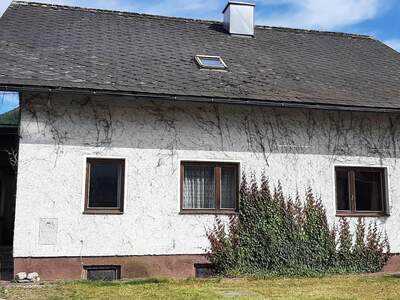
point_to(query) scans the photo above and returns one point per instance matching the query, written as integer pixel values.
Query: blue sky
(8, 101)
(378, 18)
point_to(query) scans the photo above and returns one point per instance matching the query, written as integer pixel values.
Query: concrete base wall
(72, 268)
(393, 265)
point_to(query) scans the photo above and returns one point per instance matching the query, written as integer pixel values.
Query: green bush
(276, 235)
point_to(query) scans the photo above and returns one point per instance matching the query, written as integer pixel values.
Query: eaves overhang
(194, 98)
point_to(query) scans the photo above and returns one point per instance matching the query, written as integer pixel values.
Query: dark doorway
(9, 142)
(8, 179)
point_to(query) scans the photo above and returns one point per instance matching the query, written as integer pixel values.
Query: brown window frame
(353, 212)
(217, 175)
(121, 179)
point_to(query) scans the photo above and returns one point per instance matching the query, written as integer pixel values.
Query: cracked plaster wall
(298, 147)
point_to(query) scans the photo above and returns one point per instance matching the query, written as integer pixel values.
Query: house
(135, 129)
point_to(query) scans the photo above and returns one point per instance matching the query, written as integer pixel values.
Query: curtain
(228, 187)
(199, 187)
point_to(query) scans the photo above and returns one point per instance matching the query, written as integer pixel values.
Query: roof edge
(313, 31)
(16, 3)
(201, 99)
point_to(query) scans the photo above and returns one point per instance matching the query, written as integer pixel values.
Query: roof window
(210, 62)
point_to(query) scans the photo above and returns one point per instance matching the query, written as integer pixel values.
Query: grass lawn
(335, 287)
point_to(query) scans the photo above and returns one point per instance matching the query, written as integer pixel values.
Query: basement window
(103, 273)
(209, 187)
(360, 191)
(204, 270)
(104, 186)
(210, 62)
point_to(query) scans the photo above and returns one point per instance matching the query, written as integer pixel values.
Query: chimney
(239, 18)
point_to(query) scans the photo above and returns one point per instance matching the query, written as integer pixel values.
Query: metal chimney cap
(237, 3)
(239, 18)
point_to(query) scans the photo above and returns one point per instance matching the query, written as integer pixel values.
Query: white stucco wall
(298, 147)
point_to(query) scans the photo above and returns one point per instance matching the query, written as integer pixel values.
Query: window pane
(102, 273)
(104, 185)
(228, 187)
(368, 191)
(212, 62)
(9, 110)
(342, 190)
(199, 187)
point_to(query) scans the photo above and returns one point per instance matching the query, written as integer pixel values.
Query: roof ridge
(109, 11)
(127, 13)
(314, 31)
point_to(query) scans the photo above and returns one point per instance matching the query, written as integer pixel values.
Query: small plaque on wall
(48, 231)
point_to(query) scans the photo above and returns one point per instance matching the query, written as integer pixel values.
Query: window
(204, 270)
(209, 187)
(360, 191)
(9, 110)
(104, 186)
(103, 273)
(210, 62)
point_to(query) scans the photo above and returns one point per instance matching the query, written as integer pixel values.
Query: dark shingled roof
(58, 46)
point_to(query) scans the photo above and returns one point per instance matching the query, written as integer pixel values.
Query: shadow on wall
(8, 176)
(137, 123)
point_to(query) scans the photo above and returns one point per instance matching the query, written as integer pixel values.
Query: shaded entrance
(8, 178)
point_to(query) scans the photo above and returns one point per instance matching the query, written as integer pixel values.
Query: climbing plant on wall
(277, 235)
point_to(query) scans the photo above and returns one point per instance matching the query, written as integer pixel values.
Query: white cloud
(393, 43)
(323, 14)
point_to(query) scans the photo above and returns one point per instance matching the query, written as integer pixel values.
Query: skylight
(210, 62)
